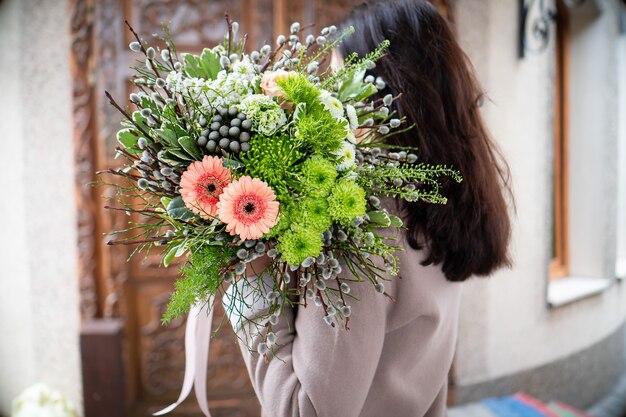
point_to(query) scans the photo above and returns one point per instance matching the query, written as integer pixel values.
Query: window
(559, 265)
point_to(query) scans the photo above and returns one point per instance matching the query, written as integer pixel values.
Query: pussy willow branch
(121, 110)
(143, 49)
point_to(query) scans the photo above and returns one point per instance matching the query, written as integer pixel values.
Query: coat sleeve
(318, 370)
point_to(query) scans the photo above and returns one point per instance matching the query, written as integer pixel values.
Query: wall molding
(580, 379)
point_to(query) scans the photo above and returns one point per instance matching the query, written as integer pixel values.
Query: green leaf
(140, 120)
(232, 164)
(353, 85)
(395, 221)
(173, 160)
(166, 136)
(128, 139)
(355, 88)
(191, 147)
(170, 255)
(210, 62)
(177, 210)
(182, 248)
(205, 66)
(165, 201)
(192, 66)
(379, 218)
(177, 128)
(366, 91)
(179, 153)
(147, 102)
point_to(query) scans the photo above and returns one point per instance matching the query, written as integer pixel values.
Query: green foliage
(202, 277)
(298, 89)
(380, 180)
(314, 213)
(177, 210)
(346, 202)
(299, 243)
(321, 132)
(273, 159)
(205, 66)
(346, 75)
(191, 147)
(354, 88)
(318, 176)
(128, 139)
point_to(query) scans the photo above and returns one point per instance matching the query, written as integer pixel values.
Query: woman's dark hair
(441, 96)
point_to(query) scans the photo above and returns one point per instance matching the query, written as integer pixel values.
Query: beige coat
(394, 360)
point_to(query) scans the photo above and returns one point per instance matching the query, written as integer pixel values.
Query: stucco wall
(506, 326)
(621, 208)
(38, 286)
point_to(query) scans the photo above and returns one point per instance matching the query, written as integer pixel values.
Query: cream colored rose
(268, 82)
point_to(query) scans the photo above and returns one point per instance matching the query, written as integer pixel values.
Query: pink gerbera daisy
(249, 208)
(202, 184)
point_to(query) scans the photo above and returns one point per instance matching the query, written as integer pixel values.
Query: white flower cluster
(227, 89)
(42, 401)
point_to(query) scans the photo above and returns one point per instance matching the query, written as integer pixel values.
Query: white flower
(352, 117)
(40, 400)
(245, 69)
(349, 133)
(264, 113)
(333, 105)
(346, 156)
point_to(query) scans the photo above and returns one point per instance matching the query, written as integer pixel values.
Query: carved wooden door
(137, 291)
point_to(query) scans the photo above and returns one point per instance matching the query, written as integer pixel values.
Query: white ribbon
(197, 343)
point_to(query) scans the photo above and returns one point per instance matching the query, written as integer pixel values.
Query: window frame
(559, 264)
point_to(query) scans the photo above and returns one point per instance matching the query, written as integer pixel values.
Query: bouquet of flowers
(232, 156)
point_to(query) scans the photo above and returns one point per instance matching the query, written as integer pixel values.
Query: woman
(395, 358)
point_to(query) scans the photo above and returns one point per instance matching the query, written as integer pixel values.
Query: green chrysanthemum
(314, 212)
(346, 201)
(315, 125)
(299, 243)
(321, 132)
(298, 89)
(318, 176)
(273, 159)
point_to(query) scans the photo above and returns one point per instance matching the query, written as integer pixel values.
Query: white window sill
(564, 291)
(620, 269)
